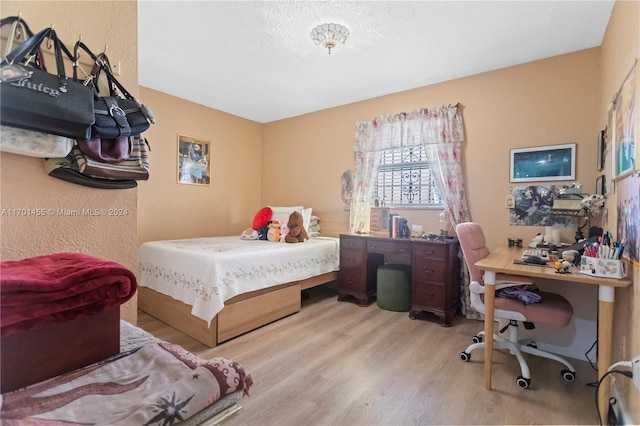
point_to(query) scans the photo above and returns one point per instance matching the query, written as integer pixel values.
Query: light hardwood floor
(335, 363)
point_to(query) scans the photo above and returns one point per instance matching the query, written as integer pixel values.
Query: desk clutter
(603, 258)
(599, 255)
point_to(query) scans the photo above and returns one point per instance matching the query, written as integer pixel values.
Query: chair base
(517, 347)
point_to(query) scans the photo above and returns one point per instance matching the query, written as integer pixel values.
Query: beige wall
(226, 207)
(620, 48)
(545, 102)
(24, 183)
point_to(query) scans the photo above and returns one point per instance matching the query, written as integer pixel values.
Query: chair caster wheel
(476, 339)
(568, 375)
(522, 382)
(465, 356)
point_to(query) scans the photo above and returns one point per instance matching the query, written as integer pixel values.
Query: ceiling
(256, 60)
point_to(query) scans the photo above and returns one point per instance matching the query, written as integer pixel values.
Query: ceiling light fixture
(329, 35)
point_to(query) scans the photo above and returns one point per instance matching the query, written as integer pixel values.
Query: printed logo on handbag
(19, 76)
(11, 73)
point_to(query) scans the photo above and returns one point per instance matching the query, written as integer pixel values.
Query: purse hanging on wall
(61, 168)
(136, 167)
(118, 114)
(21, 141)
(33, 144)
(33, 99)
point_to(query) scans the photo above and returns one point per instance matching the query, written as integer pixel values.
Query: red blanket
(59, 287)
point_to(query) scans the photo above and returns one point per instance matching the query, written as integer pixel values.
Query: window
(405, 179)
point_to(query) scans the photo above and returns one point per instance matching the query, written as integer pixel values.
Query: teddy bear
(297, 233)
(273, 234)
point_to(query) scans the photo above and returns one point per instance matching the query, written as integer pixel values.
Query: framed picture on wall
(602, 149)
(601, 185)
(193, 161)
(544, 163)
(625, 127)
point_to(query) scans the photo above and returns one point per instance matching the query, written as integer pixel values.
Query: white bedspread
(204, 272)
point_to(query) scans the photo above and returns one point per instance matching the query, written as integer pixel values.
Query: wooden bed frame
(241, 313)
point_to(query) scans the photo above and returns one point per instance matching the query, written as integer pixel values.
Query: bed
(148, 382)
(214, 289)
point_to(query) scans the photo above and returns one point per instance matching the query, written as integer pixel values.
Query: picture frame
(601, 185)
(543, 163)
(193, 161)
(625, 128)
(602, 149)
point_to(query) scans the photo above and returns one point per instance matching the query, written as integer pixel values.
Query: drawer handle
(351, 280)
(373, 246)
(429, 295)
(350, 260)
(402, 250)
(428, 271)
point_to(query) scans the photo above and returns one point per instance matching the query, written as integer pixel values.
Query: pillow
(281, 214)
(261, 218)
(306, 218)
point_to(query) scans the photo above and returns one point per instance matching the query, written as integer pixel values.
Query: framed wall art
(628, 228)
(625, 129)
(601, 185)
(544, 163)
(602, 149)
(193, 161)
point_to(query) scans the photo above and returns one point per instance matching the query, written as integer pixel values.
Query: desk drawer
(351, 280)
(433, 251)
(351, 258)
(428, 295)
(389, 247)
(354, 243)
(428, 270)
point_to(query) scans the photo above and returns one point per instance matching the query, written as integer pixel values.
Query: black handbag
(115, 115)
(33, 99)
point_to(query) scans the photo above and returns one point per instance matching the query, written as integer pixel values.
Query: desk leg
(606, 296)
(489, 304)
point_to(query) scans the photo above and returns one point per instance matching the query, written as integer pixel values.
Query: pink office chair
(553, 309)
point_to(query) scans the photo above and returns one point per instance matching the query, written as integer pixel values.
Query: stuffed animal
(297, 233)
(284, 231)
(249, 234)
(263, 231)
(273, 234)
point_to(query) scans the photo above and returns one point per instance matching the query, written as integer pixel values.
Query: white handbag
(33, 144)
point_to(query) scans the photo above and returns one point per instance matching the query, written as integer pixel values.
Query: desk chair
(552, 310)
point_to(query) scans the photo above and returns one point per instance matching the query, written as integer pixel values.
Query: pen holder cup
(598, 267)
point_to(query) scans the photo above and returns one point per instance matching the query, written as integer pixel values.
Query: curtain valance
(418, 127)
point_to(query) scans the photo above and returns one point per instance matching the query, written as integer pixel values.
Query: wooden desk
(435, 271)
(501, 261)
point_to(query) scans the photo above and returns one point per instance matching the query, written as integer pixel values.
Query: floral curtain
(441, 132)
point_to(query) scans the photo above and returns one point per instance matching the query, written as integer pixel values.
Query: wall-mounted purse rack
(21, 36)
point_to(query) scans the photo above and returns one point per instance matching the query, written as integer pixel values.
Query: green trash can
(394, 287)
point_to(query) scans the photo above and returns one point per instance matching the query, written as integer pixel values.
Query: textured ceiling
(255, 59)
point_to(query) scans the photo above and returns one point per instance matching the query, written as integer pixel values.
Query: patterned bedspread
(156, 384)
(204, 272)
